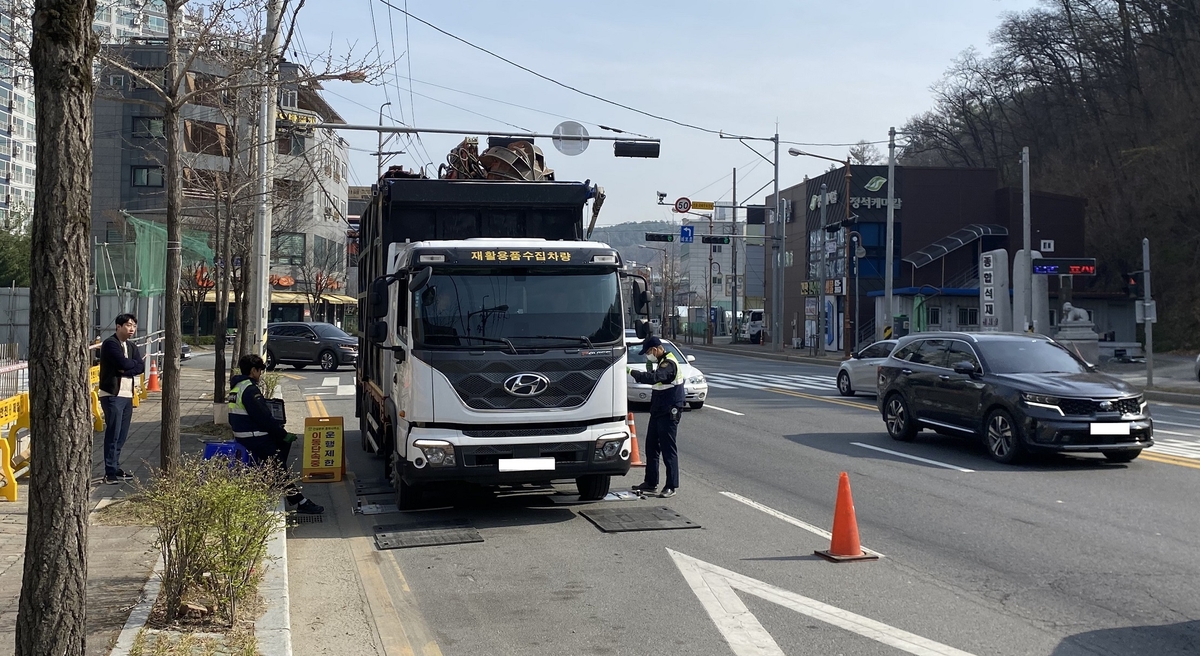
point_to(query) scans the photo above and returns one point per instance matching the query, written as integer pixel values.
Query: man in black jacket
(255, 428)
(120, 364)
(666, 407)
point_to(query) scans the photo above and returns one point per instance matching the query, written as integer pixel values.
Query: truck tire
(593, 487)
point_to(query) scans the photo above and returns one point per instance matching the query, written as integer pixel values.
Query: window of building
(288, 98)
(716, 249)
(148, 127)
(156, 25)
(18, 104)
(207, 138)
(933, 316)
(288, 249)
(968, 316)
(18, 128)
(290, 145)
(30, 153)
(30, 178)
(104, 14)
(147, 176)
(17, 171)
(116, 81)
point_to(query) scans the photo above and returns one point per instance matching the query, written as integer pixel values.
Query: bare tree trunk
(221, 299)
(50, 619)
(169, 441)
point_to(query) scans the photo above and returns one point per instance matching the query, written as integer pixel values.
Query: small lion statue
(1072, 314)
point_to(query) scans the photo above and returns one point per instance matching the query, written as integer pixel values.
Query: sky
(823, 72)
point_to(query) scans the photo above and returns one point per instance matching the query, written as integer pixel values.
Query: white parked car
(861, 372)
(694, 385)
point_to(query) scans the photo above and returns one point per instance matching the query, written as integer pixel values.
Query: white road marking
(709, 405)
(717, 385)
(816, 530)
(345, 390)
(911, 457)
(715, 588)
(1167, 432)
(331, 381)
(1182, 448)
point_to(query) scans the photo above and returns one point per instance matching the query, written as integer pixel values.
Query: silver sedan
(861, 372)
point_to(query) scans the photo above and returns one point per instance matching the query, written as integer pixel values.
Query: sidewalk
(119, 557)
(766, 351)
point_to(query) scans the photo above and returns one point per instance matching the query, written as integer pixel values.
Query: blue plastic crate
(230, 450)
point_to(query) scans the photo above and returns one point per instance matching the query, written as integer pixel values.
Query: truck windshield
(530, 308)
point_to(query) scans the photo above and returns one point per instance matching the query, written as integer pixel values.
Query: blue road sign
(687, 234)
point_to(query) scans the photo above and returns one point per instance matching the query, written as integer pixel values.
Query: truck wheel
(407, 496)
(593, 487)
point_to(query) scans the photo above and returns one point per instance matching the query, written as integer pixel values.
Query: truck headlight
(609, 448)
(437, 453)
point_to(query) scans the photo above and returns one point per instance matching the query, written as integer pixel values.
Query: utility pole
(1147, 316)
(734, 243)
(847, 326)
(777, 271)
(259, 288)
(379, 151)
(891, 235)
(708, 317)
(821, 278)
(1027, 263)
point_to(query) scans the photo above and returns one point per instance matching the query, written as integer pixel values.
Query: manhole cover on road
(297, 518)
(618, 520)
(427, 537)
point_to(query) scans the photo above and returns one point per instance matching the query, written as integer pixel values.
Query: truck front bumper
(510, 459)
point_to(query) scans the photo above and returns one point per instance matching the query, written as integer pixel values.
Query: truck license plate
(526, 464)
(1111, 428)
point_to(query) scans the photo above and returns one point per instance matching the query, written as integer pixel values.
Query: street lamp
(665, 268)
(379, 150)
(795, 152)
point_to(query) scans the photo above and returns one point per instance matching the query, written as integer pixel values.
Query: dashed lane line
(798, 523)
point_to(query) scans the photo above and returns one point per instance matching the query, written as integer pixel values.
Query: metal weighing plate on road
(618, 520)
(425, 534)
(301, 518)
(367, 488)
(573, 499)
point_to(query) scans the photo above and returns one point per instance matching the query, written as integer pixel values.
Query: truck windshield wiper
(580, 338)
(502, 340)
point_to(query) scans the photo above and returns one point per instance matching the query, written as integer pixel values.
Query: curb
(784, 357)
(1172, 397)
(272, 631)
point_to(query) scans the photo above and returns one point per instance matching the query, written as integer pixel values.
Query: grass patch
(210, 429)
(159, 642)
(127, 511)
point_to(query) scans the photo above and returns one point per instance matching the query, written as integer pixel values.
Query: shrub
(268, 384)
(214, 519)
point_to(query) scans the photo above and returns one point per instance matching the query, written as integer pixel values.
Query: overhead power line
(548, 78)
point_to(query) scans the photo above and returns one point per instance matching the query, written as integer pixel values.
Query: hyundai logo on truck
(527, 384)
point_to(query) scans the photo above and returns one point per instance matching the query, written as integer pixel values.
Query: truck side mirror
(379, 332)
(642, 328)
(643, 303)
(419, 281)
(378, 298)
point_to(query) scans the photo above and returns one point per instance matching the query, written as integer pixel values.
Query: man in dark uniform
(666, 407)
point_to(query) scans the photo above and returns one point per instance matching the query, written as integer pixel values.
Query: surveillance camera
(661, 196)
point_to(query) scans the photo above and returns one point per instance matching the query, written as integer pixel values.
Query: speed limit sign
(683, 205)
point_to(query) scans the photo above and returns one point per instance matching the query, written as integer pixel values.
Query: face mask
(650, 357)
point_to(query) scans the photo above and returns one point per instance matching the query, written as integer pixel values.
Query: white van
(753, 324)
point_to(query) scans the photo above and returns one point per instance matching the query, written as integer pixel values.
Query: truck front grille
(481, 385)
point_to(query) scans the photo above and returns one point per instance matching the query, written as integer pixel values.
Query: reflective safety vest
(678, 374)
(239, 419)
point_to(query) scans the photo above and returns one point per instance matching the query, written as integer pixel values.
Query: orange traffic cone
(844, 545)
(635, 458)
(153, 386)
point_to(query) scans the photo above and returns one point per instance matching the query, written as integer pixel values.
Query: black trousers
(660, 441)
(266, 448)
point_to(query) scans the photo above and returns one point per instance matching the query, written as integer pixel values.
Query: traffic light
(715, 240)
(658, 236)
(1133, 284)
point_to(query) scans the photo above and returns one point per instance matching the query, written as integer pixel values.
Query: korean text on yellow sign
(323, 459)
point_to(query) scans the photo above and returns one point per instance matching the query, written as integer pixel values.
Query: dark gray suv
(301, 344)
(1019, 393)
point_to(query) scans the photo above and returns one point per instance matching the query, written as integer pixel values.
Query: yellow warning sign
(703, 205)
(323, 459)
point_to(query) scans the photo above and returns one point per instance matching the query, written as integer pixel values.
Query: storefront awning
(954, 241)
(339, 299)
(288, 298)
